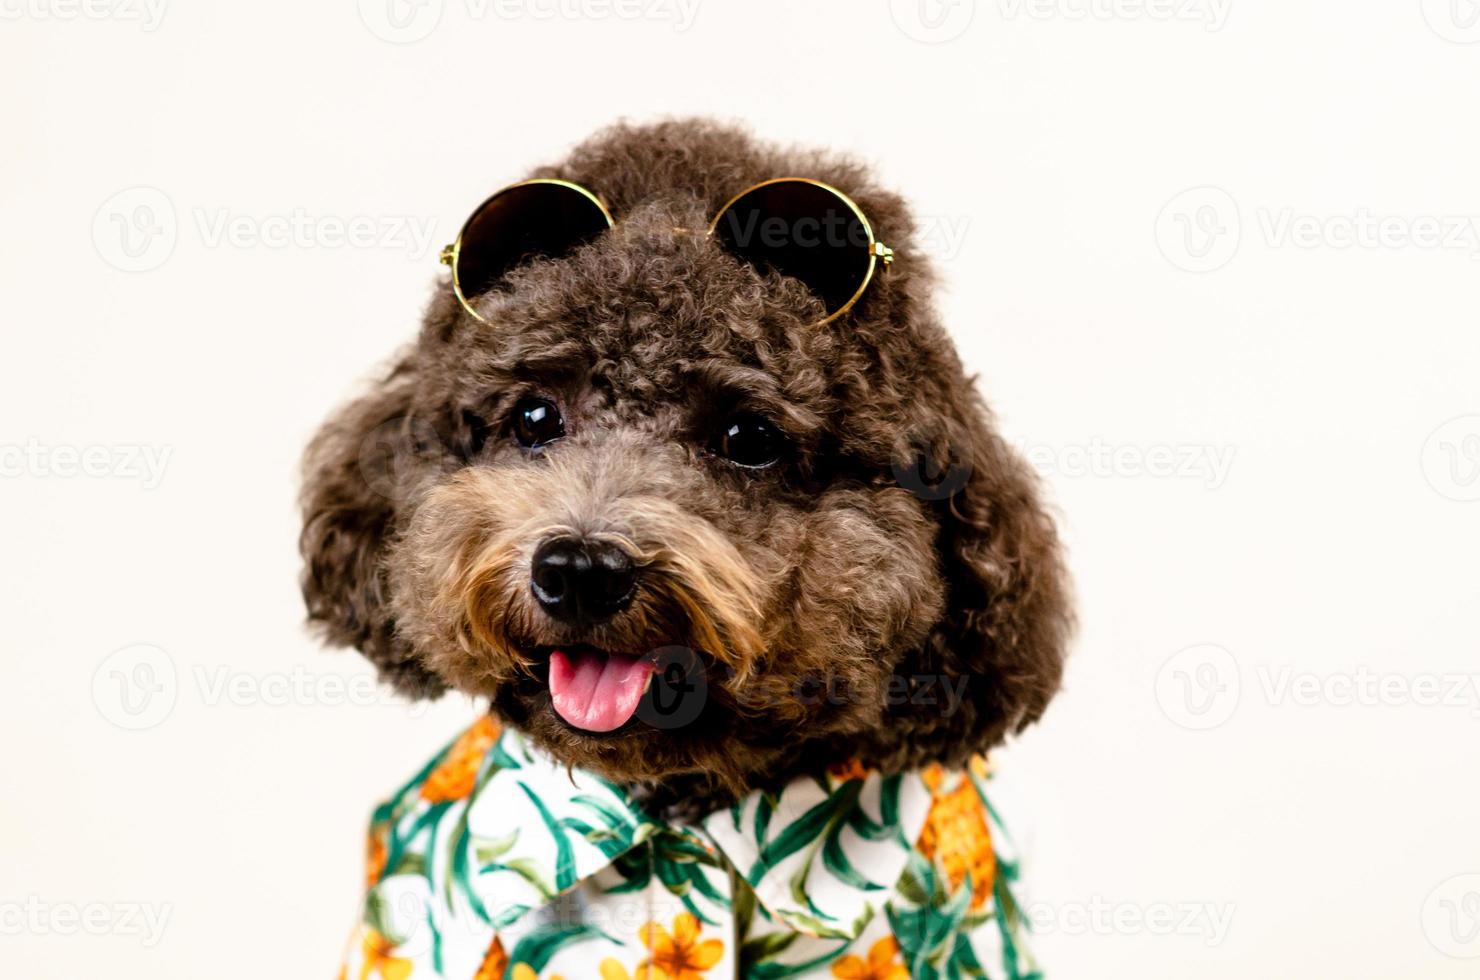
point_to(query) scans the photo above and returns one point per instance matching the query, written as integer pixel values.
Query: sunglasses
(801, 228)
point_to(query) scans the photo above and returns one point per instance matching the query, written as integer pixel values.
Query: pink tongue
(597, 691)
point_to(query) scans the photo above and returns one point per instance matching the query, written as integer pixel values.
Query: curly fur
(821, 574)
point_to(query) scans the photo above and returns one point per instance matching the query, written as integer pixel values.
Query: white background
(1290, 775)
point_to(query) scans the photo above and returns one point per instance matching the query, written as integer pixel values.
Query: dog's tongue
(594, 690)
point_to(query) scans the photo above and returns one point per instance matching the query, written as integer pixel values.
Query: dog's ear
(355, 470)
(1001, 641)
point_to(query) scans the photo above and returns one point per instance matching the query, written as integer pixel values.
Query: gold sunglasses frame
(449, 254)
(878, 252)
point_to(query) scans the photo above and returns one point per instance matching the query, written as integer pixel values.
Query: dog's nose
(582, 582)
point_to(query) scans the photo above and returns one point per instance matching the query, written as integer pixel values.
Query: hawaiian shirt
(498, 863)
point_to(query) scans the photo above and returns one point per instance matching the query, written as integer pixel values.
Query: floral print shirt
(497, 863)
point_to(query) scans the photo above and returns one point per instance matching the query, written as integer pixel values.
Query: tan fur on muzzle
(472, 539)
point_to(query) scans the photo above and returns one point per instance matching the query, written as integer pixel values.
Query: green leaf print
(765, 808)
(529, 870)
(565, 859)
(836, 861)
(540, 946)
(864, 826)
(776, 971)
(399, 859)
(766, 947)
(616, 820)
(805, 830)
(488, 849)
(917, 883)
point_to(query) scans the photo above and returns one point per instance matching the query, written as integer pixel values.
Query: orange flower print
(847, 771)
(380, 959)
(454, 777)
(495, 963)
(375, 855)
(956, 834)
(883, 964)
(611, 969)
(679, 955)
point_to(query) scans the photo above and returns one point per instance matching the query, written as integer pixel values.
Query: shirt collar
(821, 854)
(824, 852)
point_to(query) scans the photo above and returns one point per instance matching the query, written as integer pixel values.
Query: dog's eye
(536, 422)
(749, 440)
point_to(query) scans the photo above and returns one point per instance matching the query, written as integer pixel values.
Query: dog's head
(669, 525)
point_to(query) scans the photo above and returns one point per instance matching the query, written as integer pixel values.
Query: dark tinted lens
(803, 231)
(520, 224)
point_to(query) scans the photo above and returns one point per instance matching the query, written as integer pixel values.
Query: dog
(704, 526)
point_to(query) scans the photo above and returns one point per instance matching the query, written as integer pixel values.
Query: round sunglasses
(799, 227)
